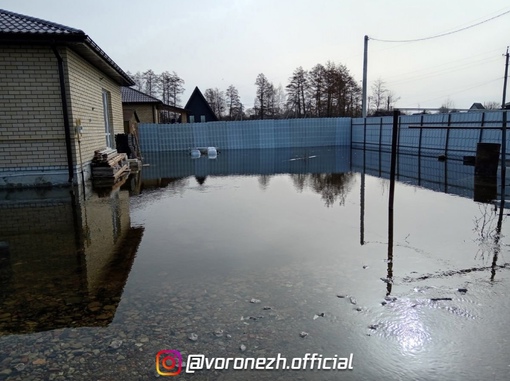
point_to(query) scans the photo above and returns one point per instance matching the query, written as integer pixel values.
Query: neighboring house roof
(198, 96)
(130, 95)
(477, 106)
(17, 28)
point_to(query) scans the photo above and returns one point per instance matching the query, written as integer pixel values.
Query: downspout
(67, 125)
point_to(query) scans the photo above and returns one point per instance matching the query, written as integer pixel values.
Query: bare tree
(175, 89)
(316, 88)
(164, 86)
(379, 92)
(265, 91)
(216, 100)
(233, 103)
(296, 90)
(138, 79)
(447, 106)
(280, 102)
(492, 105)
(391, 99)
(150, 82)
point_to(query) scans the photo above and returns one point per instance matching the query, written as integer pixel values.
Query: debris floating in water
(242, 347)
(303, 334)
(193, 336)
(253, 300)
(353, 300)
(316, 316)
(462, 290)
(341, 296)
(438, 299)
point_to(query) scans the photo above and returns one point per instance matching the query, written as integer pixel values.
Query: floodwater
(255, 254)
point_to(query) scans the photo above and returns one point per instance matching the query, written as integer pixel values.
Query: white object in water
(212, 153)
(195, 153)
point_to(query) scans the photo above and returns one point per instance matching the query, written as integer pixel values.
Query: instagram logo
(168, 362)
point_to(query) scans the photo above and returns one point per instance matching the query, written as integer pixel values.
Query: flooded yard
(259, 254)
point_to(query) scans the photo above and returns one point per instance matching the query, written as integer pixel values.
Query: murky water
(258, 254)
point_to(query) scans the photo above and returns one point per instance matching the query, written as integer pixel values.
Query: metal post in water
(392, 199)
(362, 204)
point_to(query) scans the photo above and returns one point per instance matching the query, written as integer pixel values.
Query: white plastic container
(212, 153)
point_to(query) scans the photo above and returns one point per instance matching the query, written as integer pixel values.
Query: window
(107, 113)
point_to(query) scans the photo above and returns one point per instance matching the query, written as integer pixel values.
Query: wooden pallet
(109, 164)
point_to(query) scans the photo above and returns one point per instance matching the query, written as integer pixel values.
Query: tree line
(165, 86)
(324, 91)
(327, 90)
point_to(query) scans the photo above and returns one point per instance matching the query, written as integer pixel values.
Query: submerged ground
(289, 258)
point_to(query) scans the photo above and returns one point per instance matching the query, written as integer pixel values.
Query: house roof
(18, 28)
(198, 94)
(130, 95)
(477, 106)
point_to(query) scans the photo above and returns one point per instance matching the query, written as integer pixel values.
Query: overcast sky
(222, 42)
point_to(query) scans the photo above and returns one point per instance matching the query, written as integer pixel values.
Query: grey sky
(222, 42)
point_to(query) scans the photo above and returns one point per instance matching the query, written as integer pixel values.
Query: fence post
(480, 138)
(503, 159)
(419, 149)
(364, 133)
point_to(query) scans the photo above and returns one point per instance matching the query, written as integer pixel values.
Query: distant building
(150, 109)
(199, 109)
(476, 107)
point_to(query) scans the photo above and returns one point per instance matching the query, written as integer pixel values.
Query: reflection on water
(64, 259)
(300, 230)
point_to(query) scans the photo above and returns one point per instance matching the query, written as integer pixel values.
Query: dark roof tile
(15, 27)
(130, 95)
(11, 22)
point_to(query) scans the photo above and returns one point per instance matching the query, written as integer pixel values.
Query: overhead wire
(443, 34)
(444, 71)
(459, 91)
(425, 75)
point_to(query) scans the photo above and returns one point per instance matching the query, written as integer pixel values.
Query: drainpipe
(67, 126)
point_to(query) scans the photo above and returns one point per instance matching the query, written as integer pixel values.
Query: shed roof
(130, 95)
(18, 28)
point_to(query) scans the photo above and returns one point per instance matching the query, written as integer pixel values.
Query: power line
(441, 72)
(446, 33)
(425, 71)
(459, 91)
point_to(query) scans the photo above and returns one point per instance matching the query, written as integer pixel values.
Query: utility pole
(504, 82)
(364, 85)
